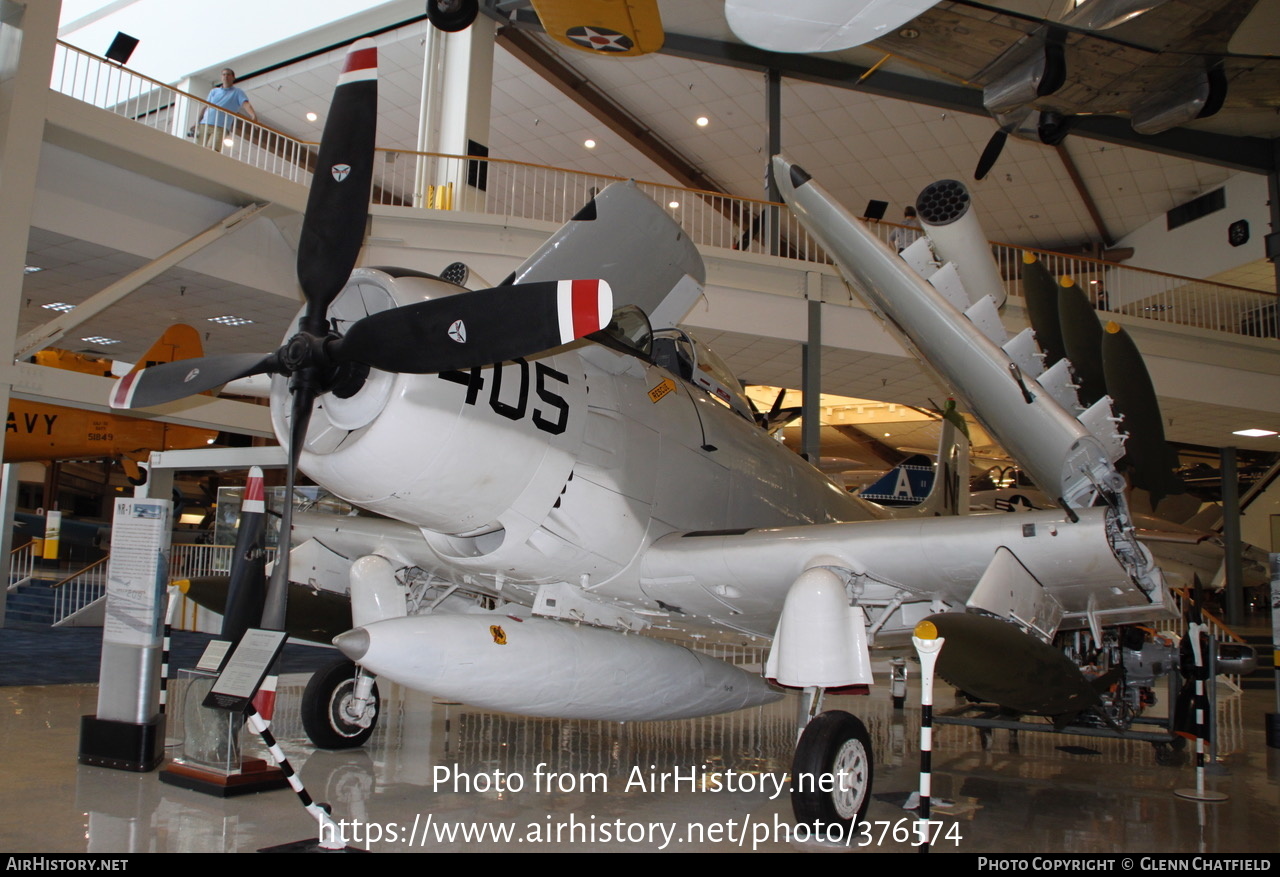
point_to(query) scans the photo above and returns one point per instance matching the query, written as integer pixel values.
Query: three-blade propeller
(460, 331)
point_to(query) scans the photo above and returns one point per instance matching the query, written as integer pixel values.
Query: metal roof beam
(1252, 154)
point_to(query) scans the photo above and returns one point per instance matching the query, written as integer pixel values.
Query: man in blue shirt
(212, 130)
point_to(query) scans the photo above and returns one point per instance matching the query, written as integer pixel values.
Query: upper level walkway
(120, 170)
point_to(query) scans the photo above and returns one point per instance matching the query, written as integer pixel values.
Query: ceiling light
(228, 142)
(1254, 433)
(674, 205)
(101, 339)
(31, 269)
(311, 117)
(590, 144)
(58, 306)
(702, 121)
(229, 320)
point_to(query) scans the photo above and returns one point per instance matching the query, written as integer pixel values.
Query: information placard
(137, 571)
(244, 671)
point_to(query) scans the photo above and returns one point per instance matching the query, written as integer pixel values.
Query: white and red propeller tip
(254, 495)
(361, 63)
(583, 307)
(122, 392)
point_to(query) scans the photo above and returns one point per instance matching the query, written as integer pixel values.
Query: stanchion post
(928, 644)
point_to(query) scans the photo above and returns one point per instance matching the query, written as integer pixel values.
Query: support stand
(1195, 630)
(928, 644)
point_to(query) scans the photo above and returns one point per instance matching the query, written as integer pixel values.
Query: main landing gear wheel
(835, 745)
(328, 708)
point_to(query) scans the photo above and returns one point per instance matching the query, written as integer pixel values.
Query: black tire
(323, 704)
(1172, 753)
(452, 16)
(833, 744)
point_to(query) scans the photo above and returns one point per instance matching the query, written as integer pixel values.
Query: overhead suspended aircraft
(620, 28)
(1161, 63)
(556, 466)
(36, 431)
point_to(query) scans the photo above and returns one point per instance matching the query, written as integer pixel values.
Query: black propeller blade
(478, 327)
(990, 155)
(332, 235)
(338, 205)
(273, 613)
(460, 331)
(187, 377)
(1040, 126)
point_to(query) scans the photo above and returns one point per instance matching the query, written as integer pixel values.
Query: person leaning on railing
(212, 130)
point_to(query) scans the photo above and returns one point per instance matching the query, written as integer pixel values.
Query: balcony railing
(519, 190)
(119, 90)
(188, 561)
(22, 562)
(80, 589)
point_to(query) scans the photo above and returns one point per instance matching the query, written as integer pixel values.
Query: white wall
(1199, 248)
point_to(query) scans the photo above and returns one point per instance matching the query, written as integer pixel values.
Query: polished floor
(434, 775)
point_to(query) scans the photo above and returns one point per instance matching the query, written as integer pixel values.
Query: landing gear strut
(340, 707)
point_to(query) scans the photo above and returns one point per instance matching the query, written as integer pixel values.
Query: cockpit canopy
(681, 354)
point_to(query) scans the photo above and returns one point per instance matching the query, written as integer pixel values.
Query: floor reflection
(432, 768)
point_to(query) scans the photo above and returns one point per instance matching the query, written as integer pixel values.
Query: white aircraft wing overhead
(1060, 451)
(818, 25)
(626, 239)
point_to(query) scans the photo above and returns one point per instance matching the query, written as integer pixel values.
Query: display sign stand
(210, 761)
(232, 693)
(127, 732)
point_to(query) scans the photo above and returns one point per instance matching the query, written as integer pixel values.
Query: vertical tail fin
(944, 486)
(950, 493)
(179, 341)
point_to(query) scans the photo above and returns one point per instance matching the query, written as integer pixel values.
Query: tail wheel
(831, 772)
(452, 16)
(328, 709)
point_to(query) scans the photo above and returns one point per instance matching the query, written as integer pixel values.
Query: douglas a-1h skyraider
(536, 500)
